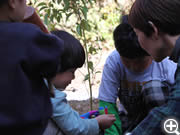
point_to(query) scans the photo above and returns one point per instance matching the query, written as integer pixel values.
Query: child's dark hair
(126, 41)
(73, 55)
(2, 2)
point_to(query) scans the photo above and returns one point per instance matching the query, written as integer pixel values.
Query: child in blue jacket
(68, 120)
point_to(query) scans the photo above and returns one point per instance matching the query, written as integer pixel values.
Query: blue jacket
(69, 120)
(27, 55)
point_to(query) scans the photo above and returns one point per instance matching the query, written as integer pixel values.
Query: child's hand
(105, 121)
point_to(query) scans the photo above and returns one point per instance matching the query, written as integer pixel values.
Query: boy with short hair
(131, 75)
(27, 57)
(68, 120)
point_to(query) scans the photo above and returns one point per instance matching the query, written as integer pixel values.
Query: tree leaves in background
(57, 13)
(90, 65)
(46, 19)
(84, 11)
(78, 30)
(66, 2)
(85, 25)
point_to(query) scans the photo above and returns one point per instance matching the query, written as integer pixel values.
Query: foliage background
(91, 21)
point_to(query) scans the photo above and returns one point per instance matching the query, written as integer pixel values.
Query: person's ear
(12, 4)
(155, 33)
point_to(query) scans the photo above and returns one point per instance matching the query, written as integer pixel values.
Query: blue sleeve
(69, 120)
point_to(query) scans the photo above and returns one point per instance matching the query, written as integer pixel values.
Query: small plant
(90, 23)
(57, 11)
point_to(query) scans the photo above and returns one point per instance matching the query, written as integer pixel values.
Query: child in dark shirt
(27, 56)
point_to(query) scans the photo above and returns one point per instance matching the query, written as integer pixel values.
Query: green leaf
(86, 77)
(58, 18)
(42, 8)
(92, 50)
(41, 4)
(105, 16)
(84, 11)
(84, 2)
(49, 11)
(97, 72)
(59, 1)
(90, 65)
(90, 1)
(67, 16)
(51, 18)
(78, 30)
(66, 2)
(54, 12)
(50, 5)
(46, 19)
(85, 25)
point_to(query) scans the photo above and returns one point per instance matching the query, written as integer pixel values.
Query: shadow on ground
(84, 105)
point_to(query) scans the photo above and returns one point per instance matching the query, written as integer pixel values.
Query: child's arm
(69, 120)
(115, 129)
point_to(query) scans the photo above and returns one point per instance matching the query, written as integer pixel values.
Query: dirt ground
(83, 106)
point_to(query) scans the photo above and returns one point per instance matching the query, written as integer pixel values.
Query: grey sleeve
(110, 82)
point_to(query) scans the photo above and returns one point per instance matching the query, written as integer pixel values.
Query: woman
(157, 25)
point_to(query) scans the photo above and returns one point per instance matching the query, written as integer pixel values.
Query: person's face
(62, 80)
(18, 8)
(137, 64)
(154, 45)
